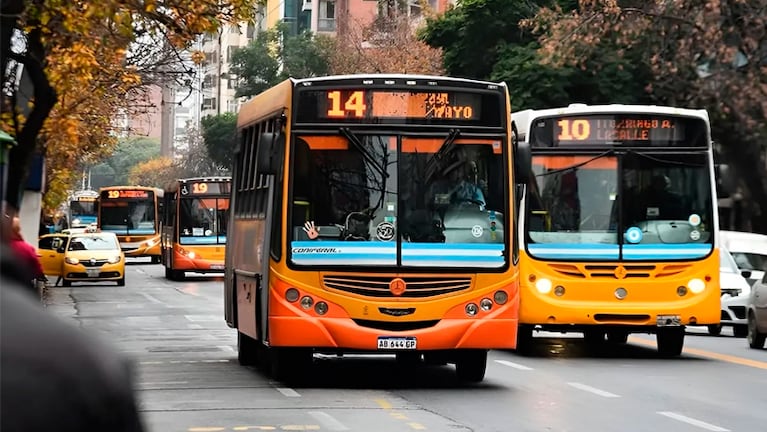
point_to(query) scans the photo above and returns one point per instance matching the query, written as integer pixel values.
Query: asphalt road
(188, 378)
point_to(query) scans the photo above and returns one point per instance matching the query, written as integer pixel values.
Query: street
(188, 378)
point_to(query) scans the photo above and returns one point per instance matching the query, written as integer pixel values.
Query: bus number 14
(354, 104)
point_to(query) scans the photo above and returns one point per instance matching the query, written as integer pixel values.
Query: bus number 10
(354, 104)
(577, 130)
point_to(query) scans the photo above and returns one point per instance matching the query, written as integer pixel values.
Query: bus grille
(629, 271)
(395, 325)
(378, 286)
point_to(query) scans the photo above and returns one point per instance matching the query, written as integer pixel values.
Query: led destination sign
(205, 188)
(126, 194)
(624, 129)
(391, 106)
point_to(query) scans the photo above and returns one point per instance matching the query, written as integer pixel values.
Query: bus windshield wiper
(352, 138)
(576, 165)
(435, 161)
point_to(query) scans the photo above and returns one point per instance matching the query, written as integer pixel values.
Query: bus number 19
(579, 130)
(199, 188)
(354, 104)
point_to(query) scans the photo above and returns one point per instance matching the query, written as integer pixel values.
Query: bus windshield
(203, 220)
(389, 200)
(82, 212)
(578, 208)
(128, 217)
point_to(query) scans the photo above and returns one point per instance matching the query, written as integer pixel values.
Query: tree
(219, 134)
(116, 169)
(196, 160)
(274, 55)
(707, 54)
(84, 56)
(157, 172)
(388, 45)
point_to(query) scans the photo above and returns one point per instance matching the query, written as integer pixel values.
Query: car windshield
(405, 201)
(750, 261)
(93, 243)
(203, 220)
(579, 208)
(726, 262)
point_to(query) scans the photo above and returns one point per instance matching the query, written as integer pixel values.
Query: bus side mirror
(523, 159)
(269, 153)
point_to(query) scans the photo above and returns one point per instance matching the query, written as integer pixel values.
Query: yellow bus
(373, 214)
(194, 226)
(133, 214)
(618, 223)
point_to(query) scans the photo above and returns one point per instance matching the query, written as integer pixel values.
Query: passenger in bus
(661, 202)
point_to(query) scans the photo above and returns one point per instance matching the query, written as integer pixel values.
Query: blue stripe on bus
(630, 252)
(203, 240)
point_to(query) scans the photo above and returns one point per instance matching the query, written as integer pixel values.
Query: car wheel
(715, 329)
(755, 339)
(66, 283)
(121, 281)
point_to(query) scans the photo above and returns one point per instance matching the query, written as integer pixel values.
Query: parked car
(756, 311)
(735, 292)
(82, 257)
(749, 251)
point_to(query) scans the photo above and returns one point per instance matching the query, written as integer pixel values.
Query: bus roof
(273, 100)
(523, 119)
(206, 179)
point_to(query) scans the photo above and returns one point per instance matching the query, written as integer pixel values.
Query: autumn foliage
(92, 56)
(388, 45)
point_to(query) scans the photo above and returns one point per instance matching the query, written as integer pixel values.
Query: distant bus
(133, 214)
(618, 223)
(373, 214)
(81, 208)
(194, 226)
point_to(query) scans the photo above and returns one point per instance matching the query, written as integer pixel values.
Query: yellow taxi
(82, 257)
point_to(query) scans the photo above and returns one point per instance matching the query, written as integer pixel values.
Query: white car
(749, 251)
(756, 311)
(735, 293)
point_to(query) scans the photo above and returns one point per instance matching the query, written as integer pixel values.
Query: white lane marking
(514, 365)
(202, 318)
(692, 421)
(140, 271)
(226, 348)
(155, 383)
(288, 392)
(152, 298)
(328, 420)
(194, 326)
(594, 390)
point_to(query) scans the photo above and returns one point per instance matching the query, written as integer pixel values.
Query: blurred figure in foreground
(54, 376)
(25, 253)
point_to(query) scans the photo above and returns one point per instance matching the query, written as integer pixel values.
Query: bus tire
(155, 259)
(524, 339)
(740, 330)
(470, 365)
(290, 364)
(408, 358)
(168, 274)
(618, 336)
(670, 341)
(247, 349)
(594, 337)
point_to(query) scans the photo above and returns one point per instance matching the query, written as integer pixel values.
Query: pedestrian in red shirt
(25, 253)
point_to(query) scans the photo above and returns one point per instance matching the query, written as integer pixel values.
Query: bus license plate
(396, 343)
(93, 272)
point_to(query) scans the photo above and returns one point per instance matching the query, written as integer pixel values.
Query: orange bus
(133, 214)
(618, 224)
(373, 214)
(194, 226)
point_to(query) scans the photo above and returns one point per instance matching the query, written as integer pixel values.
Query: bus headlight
(543, 285)
(696, 285)
(486, 304)
(471, 309)
(306, 302)
(291, 295)
(500, 297)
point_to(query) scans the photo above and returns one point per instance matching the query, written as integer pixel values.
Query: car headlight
(71, 260)
(114, 260)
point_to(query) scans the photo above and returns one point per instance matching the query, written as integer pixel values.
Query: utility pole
(167, 115)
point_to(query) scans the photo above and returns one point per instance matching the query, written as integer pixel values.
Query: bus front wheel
(470, 366)
(670, 341)
(524, 339)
